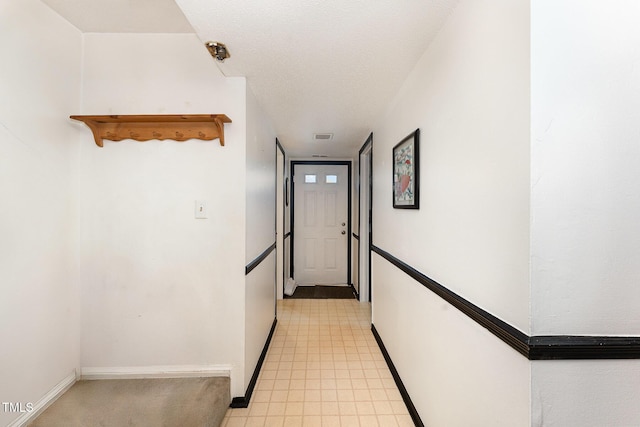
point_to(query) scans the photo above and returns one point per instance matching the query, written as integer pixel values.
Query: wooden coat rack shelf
(146, 127)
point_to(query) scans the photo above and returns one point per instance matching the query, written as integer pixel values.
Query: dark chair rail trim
(556, 347)
(253, 264)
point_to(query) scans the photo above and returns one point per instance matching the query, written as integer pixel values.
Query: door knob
(344, 232)
(343, 224)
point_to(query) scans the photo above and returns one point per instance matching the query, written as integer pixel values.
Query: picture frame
(406, 172)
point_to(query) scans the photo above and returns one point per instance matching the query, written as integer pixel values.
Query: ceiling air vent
(322, 136)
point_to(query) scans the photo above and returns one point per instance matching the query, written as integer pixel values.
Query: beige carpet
(167, 402)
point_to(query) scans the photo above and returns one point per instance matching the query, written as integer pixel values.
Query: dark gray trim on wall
(413, 412)
(292, 209)
(556, 347)
(253, 264)
(285, 190)
(243, 401)
(369, 238)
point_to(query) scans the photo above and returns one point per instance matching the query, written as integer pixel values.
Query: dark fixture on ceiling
(218, 50)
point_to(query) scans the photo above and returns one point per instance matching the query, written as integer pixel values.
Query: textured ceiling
(320, 65)
(316, 66)
(123, 16)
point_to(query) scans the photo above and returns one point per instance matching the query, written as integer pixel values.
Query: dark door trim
(280, 148)
(369, 238)
(292, 210)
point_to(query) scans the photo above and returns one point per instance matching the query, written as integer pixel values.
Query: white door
(320, 224)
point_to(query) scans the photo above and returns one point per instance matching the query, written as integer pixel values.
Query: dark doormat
(323, 292)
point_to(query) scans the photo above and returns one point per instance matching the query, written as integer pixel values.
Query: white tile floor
(323, 368)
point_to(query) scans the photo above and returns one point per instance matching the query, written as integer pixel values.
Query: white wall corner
(41, 405)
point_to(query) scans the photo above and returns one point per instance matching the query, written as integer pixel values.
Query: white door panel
(320, 224)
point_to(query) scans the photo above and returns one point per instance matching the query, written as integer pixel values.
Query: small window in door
(309, 179)
(331, 179)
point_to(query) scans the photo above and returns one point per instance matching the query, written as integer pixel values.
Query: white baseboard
(138, 372)
(46, 401)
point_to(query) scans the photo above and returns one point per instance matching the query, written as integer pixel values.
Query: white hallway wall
(585, 203)
(39, 294)
(160, 287)
(469, 95)
(155, 280)
(260, 293)
(585, 199)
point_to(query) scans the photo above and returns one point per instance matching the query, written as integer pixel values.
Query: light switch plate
(201, 209)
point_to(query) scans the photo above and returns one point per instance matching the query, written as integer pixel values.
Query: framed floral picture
(406, 172)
